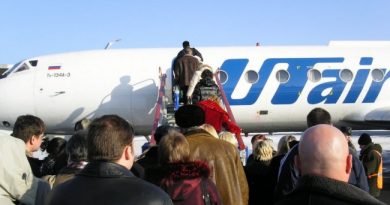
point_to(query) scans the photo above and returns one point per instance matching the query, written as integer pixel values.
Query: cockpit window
(6, 73)
(22, 68)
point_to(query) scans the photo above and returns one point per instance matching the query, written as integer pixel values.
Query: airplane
(269, 88)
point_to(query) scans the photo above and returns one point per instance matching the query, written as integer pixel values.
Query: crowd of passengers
(196, 163)
(187, 165)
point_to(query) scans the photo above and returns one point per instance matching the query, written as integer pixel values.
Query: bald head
(323, 151)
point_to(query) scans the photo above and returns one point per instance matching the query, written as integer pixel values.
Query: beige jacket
(224, 161)
(17, 182)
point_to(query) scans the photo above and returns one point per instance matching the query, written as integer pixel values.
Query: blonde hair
(229, 137)
(210, 129)
(173, 147)
(283, 144)
(215, 99)
(262, 151)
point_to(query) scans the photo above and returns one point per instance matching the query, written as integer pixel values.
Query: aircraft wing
(378, 115)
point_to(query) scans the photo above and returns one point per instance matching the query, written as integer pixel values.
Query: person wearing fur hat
(371, 157)
(222, 157)
(186, 181)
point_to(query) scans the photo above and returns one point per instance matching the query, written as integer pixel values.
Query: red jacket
(218, 117)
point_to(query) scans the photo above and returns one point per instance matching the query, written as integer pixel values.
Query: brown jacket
(224, 161)
(184, 70)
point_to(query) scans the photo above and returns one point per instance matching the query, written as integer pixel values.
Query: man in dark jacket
(288, 174)
(195, 52)
(325, 165)
(107, 179)
(371, 157)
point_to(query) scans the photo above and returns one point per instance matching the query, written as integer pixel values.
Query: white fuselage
(269, 88)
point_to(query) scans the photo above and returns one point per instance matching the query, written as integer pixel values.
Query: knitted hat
(189, 116)
(364, 139)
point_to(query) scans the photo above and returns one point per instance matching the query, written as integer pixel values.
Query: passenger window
(251, 76)
(377, 75)
(346, 75)
(282, 76)
(314, 75)
(223, 77)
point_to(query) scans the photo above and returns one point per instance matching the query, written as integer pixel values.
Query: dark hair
(318, 116)
(57, 158)
(76, 147)
(56, 146)
(346, 130)
(107, 137)
(26, 126)
(207, 74)
(186, 44)
(161, 131)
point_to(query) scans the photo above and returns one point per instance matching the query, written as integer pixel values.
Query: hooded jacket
(183, 182)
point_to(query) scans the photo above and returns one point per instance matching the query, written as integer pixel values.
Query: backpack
(379, 174)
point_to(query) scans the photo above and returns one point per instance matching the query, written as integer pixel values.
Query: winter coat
(149, 159)
(224, 161)
(318, 190)
(358, 176)
(289, 174)
(205, 89)
(107, 183)
(35, 165)
(185, 69)
(257, 174)
(68, 172)
(17, 182)
(371, 161)
(52, 164)
(218, 117)
(195, 52)
(183, 182)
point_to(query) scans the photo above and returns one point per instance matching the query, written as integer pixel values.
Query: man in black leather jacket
(107, 179)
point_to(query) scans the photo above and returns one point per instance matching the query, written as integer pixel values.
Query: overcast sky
(33, 28)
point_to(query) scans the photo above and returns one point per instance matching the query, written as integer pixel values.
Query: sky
(33, 28)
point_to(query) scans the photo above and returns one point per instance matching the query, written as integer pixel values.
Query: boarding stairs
(165, 111)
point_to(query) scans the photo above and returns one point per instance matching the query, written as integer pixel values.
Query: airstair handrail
(241, 144)
(157, 113)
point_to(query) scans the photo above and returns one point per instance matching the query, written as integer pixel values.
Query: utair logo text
(289, 92)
